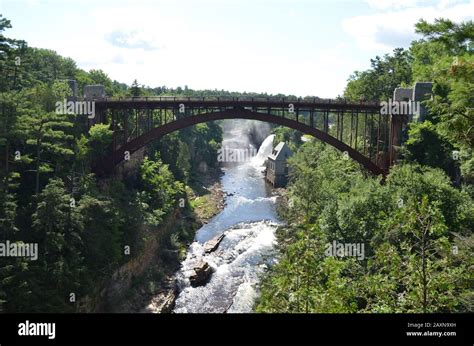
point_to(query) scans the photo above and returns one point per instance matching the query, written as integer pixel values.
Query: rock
(213, 244)
(164, 301)
(202, 274)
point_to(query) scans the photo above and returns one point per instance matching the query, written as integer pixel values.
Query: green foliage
(445, 56)
(160, 191)
(177, 154)
(406, 181)
(188, 149)
(426, 146)
(100, 139)
(8, 214)
(135, 90)
(408, 227)
(50, 196)
(100, 77)
(45, 133)
(423, 244)
(304, 280)
(102, 233)
(386, 74)
(316, 174)
(58, 231)
(456, 38)
(287, 135)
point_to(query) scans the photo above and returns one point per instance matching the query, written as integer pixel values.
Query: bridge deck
(217, 102)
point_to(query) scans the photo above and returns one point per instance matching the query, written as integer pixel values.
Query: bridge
(358, 130)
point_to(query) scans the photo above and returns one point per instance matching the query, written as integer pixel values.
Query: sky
(298, 47)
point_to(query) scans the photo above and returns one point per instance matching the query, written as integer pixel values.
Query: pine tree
(58, 227)
(45, 133)
(135, 90)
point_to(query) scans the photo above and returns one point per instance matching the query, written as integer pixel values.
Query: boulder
(202, 274)
(213, 244)
(163, 302)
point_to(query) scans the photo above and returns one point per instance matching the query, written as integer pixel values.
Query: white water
(263, 152)
(249, 221)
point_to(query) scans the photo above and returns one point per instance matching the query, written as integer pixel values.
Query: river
(249, 221)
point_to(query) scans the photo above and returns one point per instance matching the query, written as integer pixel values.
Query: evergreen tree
(135, 90)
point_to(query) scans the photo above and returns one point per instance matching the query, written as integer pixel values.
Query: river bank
(206, 196)
(206, 199)
(147, 283)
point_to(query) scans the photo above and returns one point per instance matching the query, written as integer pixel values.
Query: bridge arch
(236, 113)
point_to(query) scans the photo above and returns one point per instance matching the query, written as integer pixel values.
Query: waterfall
(263, 152)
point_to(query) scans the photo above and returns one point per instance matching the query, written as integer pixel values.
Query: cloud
(392, 4)
(391, 37)
(161, 46)
(130, 40)
(387, 30)
(118, 59)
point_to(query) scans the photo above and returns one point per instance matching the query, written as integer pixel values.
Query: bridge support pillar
(419, 93)
(398, 123)
(397, 127)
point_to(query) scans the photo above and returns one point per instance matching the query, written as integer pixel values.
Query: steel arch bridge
(357, 129)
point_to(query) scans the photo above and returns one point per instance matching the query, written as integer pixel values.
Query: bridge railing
(211, 99)
(199, 99)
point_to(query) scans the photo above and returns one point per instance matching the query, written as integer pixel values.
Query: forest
(85, 227)
(416, 226)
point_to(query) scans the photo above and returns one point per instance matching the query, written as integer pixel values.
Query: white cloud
(392, 4)
(158, 46)
(387, 30)
(123, 37)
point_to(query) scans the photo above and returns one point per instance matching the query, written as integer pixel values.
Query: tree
(13, 105)
(287, 135)
(305, 279)
(173, 151)
(99, 141)
(160, 191)
(456, 38)
(12, 62)
(58, 231)
(427, 147)
(100, 77)
(103, 233)
(380, 286)
(444, 55)
(135, 89)
(429, 284)
(45, 132)
(386, 74)
(334, 174)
